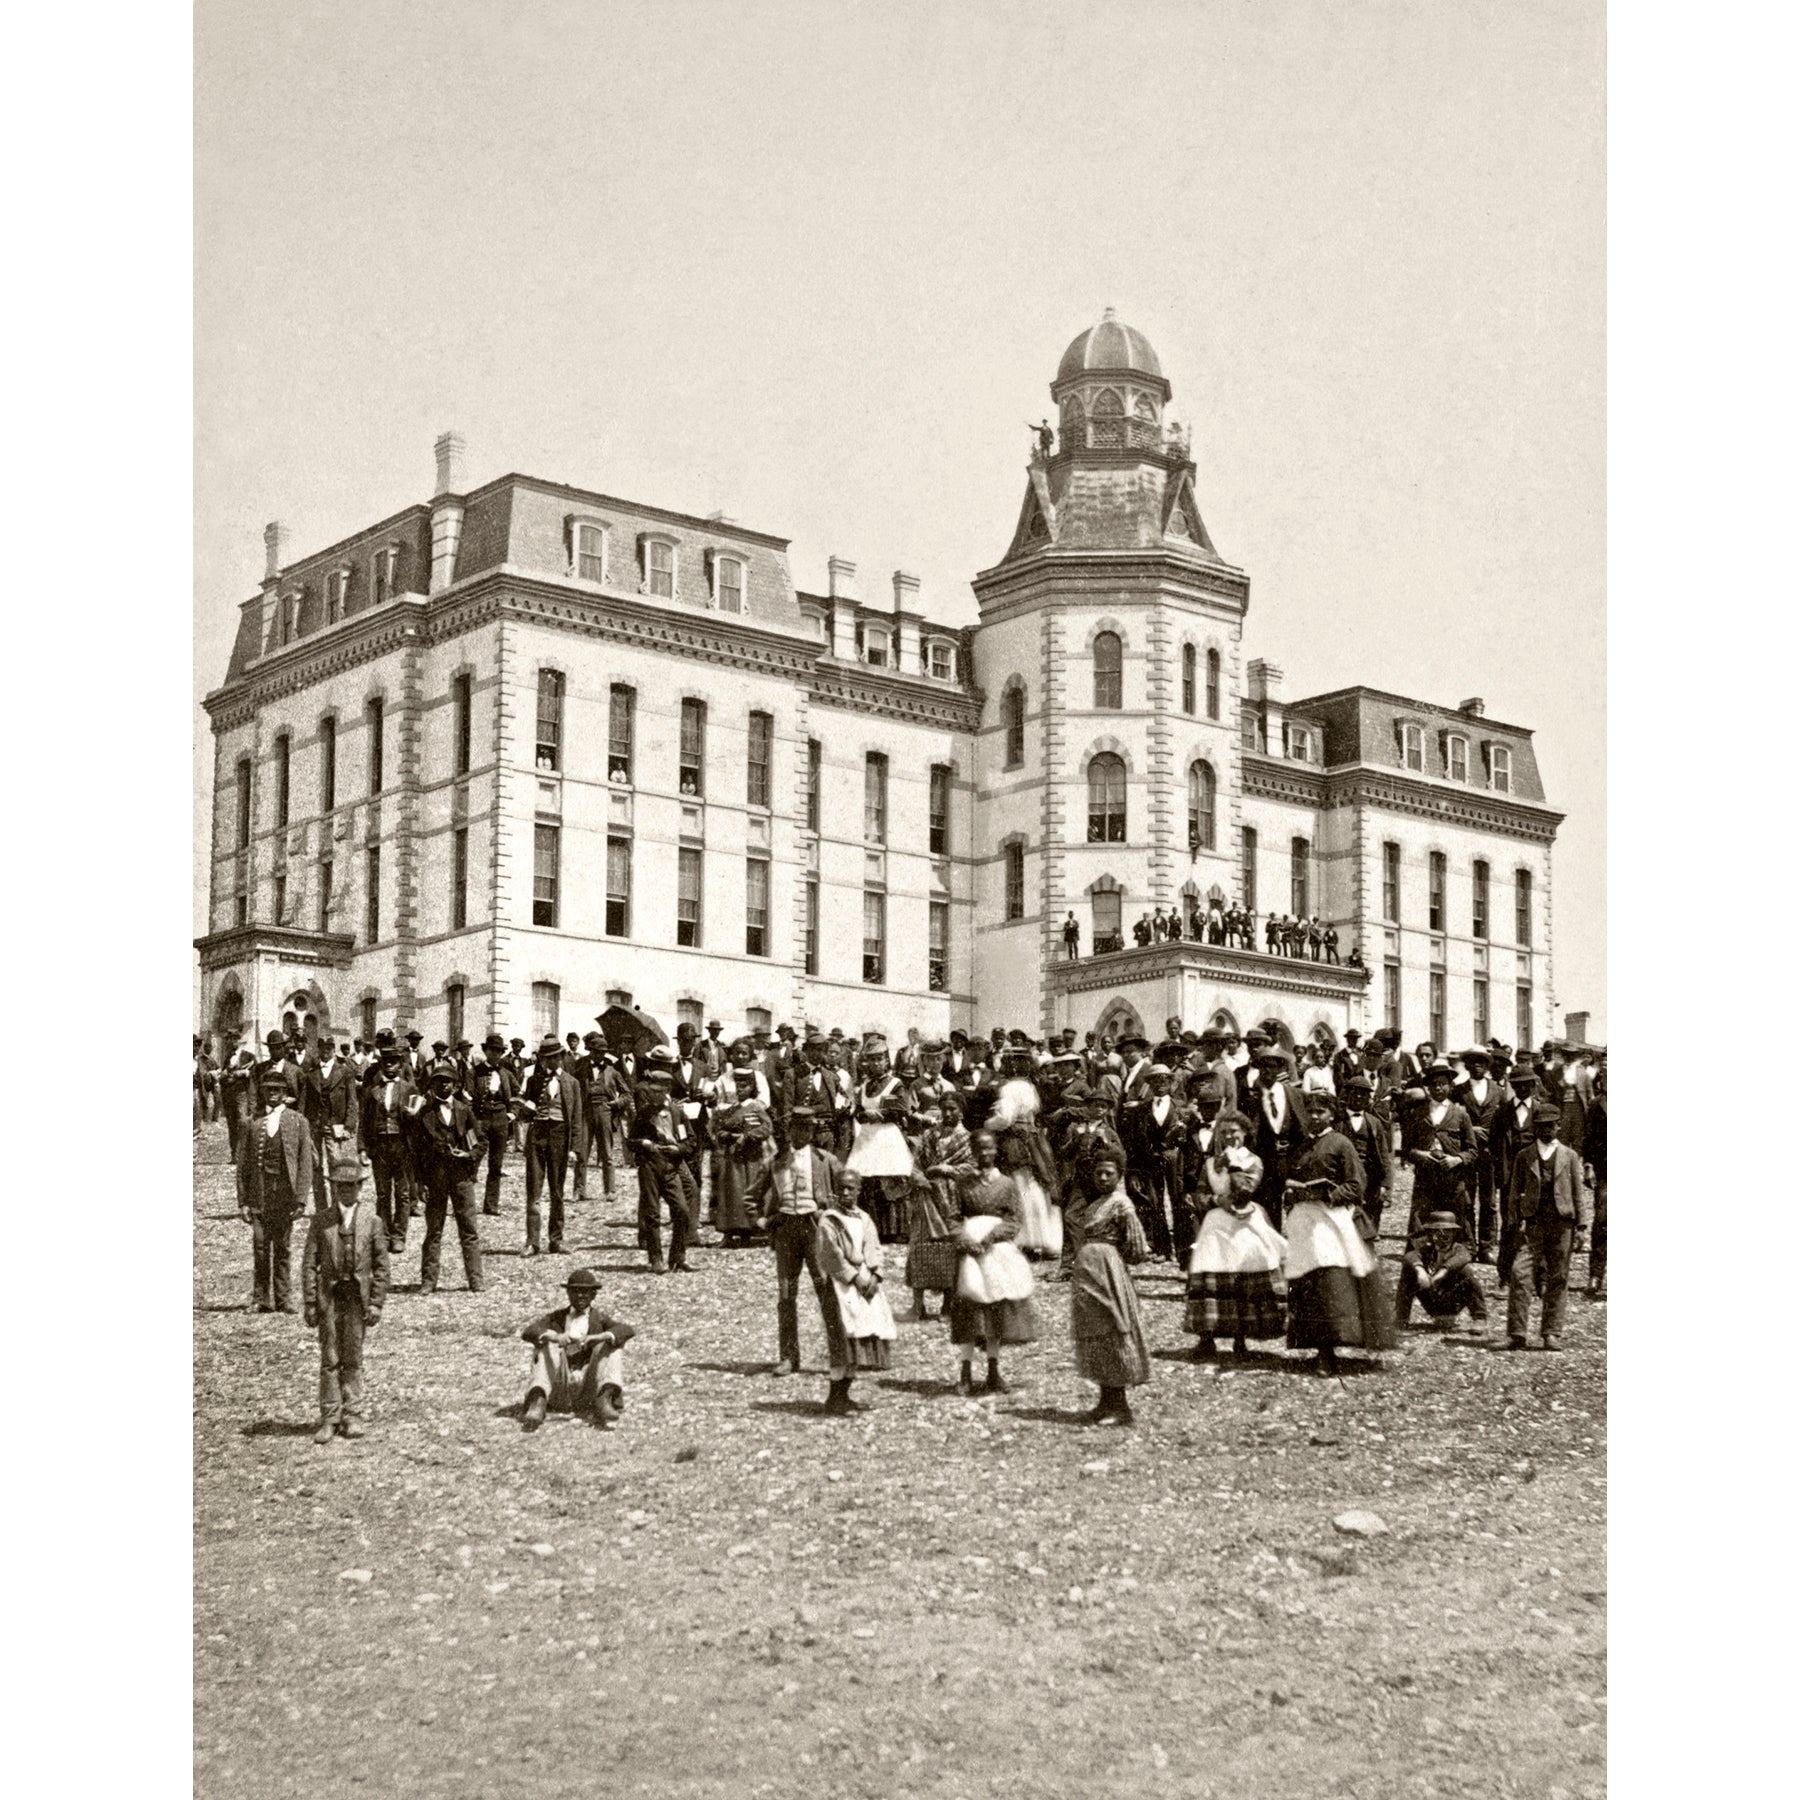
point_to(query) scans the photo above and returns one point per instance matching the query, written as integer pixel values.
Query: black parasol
(630, 1031)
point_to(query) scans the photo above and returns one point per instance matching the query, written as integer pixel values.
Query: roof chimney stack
(450, 448)
(841, 572)
(906, 592)
(275, 540)
(1474, 708)
(1265, 680)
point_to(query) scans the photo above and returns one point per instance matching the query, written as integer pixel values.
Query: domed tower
(1108, 650)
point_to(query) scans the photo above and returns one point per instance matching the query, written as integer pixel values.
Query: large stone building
(527, 749)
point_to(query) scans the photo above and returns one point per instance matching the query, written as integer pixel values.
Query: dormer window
(940, 660)
(1456, 757)
(288, 615)
(1412, 747)
(1299, 743)
(381, 573)
(587, 550)
(728, 583)
(875, 645)
(658, 557)
(337, 592)
(1499, 768)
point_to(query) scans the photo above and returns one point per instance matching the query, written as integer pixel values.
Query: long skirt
(735, 1175)
(1007, 1318)
(931, 1264)
(1248, 1304)
(1105, 1320)
(1040, 1224)
(1333, 1309)
(845, 1351)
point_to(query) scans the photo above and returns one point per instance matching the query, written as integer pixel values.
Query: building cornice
(1056, 574)
(1281, 778)
(918, 700)
(1286, 974)
(240, 943)
(1363, 784)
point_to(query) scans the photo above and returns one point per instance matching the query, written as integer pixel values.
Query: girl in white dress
(859, 1323)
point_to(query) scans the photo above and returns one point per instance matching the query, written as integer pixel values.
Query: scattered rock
(688, 1455)
(543, 1550)
(1159, 1756)
(1357, 1523)
(362, 1577)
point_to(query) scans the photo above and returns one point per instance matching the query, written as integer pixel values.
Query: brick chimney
(1265, 680)
(1475, 708)
(446, 510)
(841, 575)
(275, 542)
(907, 619)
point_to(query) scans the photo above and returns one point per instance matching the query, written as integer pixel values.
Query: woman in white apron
(859, 1323)
(880, 1152)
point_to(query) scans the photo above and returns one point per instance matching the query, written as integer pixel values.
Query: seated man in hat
(274, 1183)
(1438, 1272)
(579, 1365)
(343, 1285)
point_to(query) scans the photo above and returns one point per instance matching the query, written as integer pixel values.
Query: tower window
(875, 775)
(243, 803)
(1479, 913)
(1435, 914)
(327, 763)
(374, 718)
(939, 827)
(1390, 883)
(1012, 714)
(1248, 874)
(1299, 878)
(462, 720)
(1013, 857)
(1109, 681)
(281, 780)
(1522, 912)
(1212, 684)
(1109, 919)
(1106, 799)
(1189, 661)
(1203, 791)
(815, 752)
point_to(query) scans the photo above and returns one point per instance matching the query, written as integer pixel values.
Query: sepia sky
(815, 265)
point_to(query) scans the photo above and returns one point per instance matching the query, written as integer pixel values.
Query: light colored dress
(880, 1148)
(1024, 1155)
(1104, 1317)
(859, 1328)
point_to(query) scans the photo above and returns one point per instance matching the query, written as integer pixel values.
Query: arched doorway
(228, 1016)
(1226, 1021)
(1120, 1019)
(1322, 1035)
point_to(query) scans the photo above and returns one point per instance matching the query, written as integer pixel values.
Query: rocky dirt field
(728, 1595)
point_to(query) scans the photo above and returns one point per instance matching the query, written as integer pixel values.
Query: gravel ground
(728, 1595)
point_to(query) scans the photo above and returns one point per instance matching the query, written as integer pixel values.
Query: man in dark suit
(1547, 1204)
(274, 1178)
(551, 1101)
(579, 1365)
(447, 1147)
(387, 1107)
(331, 1104)
(281, 1059)
(492, 1090)
(416, 1058)
(1482, 1097)
(237, 1095)
(1153, 1130)
(1373, 1138)
(1277, 1110)
(343, 1285)
(663, 1136)
(788, 1196)
(602, 1092)
(1438, 1142)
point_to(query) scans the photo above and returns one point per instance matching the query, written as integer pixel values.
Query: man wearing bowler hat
(274, 1180)
(343, 1285)
(493, 1087)
(788, 1196)
(281, 1060)
(447, 1143)
(578, 1365)
(1482, 1097)
(551, 1102)
(1548, 1205)
(1277, 1113)
(387, 1108)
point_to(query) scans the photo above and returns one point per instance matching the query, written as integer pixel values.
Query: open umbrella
(630, 1031)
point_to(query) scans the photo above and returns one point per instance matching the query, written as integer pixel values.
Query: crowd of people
(1221, 922)
(976, 1171)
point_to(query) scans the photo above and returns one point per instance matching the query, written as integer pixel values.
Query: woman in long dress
(991, 1303)
(1024, 1154)
(743, 1134)
(880, 1152)
(1235, 1284)
(1334, 1292)
(1104, 1317)
(945, 1159)
(859, 1324)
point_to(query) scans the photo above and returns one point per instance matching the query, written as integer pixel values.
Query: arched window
(1212, 684)
(1012, 716)
(1107, 430)
(1187, 678)
(1106, 799)
(1109, 692)
(1203, 798)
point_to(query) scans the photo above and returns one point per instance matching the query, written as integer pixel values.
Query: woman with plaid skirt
(944, 1160)
(1104, 1317)
(1236, 1288)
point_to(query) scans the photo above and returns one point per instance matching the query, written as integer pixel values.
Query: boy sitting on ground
(580, 1361)
(1438, 1271)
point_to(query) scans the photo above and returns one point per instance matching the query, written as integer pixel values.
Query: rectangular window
(1212, 684)
(325, 893)
(459, 878)
(1249, 728)
(1483, 1025)
(874, 647)
(1457, 758)
(1299, 886)
(1500, 769)
(618, 885)
(462, 720)
(546, 1010)
(1390, 883)
(327, 764)
(381, 575)
(874, 937)
(687, 899)
(281, 896)
(1436, 907)
(690, 1012)
(546, 856)
(372, 894)
(621, 732)
(814, 757)
(1439, 1033)
(1109, 920)
(937, 952)
(1014, 858)
(939, 829)
(281, 781)
(455, 996)
(550, 718)
(875, 798)
(1390, 995)
(366, 1011)
(337, 590)
(758, 1020)
(659, 566)
(1013, 707)
(1188, 675)
(1299, 743)
(812, 928)
(1412, 747)
(731, 584)
(1523, 1022)
(1248, 876)
(241, 903)
(693, 748)
(758, 750)
(618, 996)
(940, 660)
(1522, 913)
(1478, 922)
(590, 553)
(243, 803)
(374, 717)
(756, 906)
